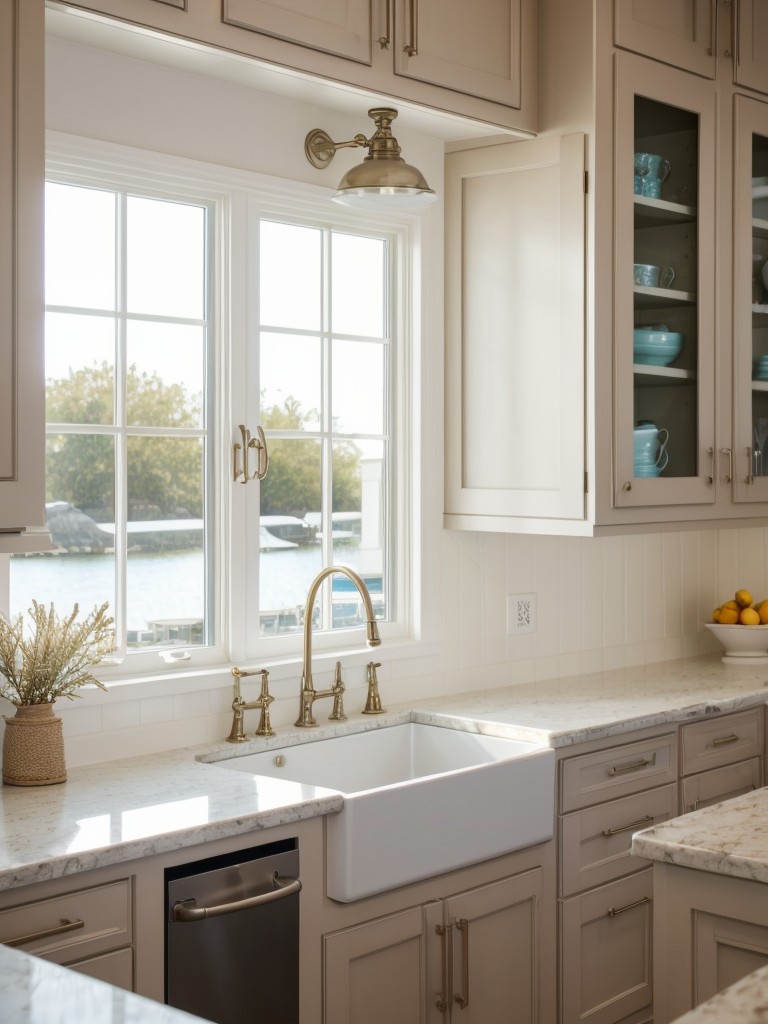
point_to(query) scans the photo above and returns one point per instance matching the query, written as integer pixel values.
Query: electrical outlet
(521, 614)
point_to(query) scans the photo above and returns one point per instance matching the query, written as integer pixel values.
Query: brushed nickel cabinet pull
(712, 48)
(721, 741)
(441, 1000)
(729, 453)
(626, 828)
(411, 48)
(462, 998)
(711, 477)
(615, 911)
(384, 39)
(59, 929)
(189, 911)
(623, 769)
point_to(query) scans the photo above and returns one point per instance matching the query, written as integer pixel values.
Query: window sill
(187, 680)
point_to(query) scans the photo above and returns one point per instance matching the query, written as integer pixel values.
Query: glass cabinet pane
(759, 296)
(665, 274)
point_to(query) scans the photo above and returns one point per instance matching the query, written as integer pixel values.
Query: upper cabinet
(751, 44)
(682, 33)
(675, 422)
(21, 272)
(476, 60)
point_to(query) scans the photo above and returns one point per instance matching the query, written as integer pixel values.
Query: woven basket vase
(33, 747)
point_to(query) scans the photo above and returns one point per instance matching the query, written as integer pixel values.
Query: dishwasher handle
(187, 910)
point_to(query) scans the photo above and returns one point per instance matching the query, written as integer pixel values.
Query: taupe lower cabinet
(472, 957)
(609, 790)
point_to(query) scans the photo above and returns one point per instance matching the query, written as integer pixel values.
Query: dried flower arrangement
(56, 658)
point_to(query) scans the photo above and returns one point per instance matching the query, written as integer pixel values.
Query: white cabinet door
(21, 264)
(340, 27)
(515, 417)
(480, 48)
(752, 44)
(679, 32)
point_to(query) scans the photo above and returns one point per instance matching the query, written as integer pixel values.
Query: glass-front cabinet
(750, 314)
(664, 350)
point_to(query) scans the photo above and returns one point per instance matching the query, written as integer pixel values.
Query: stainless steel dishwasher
(232, 936)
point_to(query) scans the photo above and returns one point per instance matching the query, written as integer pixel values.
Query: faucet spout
(309, 694)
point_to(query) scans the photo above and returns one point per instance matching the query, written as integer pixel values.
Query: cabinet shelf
(661, 298)
(759, 227)
(759, 315)
(661, 376)
(661, 213)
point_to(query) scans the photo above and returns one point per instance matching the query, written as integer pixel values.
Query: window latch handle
(241, 467)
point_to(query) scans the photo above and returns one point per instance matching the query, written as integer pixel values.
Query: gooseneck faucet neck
(308, 693)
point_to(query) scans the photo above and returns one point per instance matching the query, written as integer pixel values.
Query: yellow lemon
(728, 616)
(749, 617)
(743, 598)
(716, 615)
(730, 604)
(762, 611)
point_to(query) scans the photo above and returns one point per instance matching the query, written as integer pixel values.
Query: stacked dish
(655, 346)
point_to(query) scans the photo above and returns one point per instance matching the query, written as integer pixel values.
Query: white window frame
(235, 602)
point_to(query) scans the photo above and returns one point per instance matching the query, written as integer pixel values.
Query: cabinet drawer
(115, 967)
(720, 741)
(618, 771)
(720, 784)
(605, 953)
(72, 926)
(595, 842)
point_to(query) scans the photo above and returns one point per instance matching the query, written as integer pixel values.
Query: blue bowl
(656, 348)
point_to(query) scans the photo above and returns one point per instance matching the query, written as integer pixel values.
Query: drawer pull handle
(626, 828)
(59, 929)
(614, 911)
(642, 763)
(462, 998)
(441, 999)
(722, 740)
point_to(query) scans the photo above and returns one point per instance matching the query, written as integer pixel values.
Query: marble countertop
(120, 810)
(35, 991)
(730, 838)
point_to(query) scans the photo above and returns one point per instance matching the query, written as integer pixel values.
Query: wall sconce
(383, 179)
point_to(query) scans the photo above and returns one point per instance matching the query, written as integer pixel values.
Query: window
(160, 341)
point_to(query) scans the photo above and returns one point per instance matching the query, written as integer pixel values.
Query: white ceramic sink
(419, 800)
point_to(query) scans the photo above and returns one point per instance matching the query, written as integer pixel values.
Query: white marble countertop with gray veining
(35, 991)
(120, 810)
(730, 838)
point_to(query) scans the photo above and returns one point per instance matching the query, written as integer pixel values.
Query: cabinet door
(514, 332)
(21, 264)
(606, 960)
(678, 32)
(751, 55)
(375, 972)
(721, 784)
(116, 968)
(750, 300)
(495, 966)
(340, 27)
(664, 287)
(476, 48)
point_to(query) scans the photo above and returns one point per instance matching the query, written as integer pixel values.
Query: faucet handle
(373, 703)
(337, 715)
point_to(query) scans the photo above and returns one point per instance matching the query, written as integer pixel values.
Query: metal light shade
(383, 179)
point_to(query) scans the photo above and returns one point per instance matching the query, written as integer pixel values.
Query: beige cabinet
(681, 32)
(88, 929)
(606, 895)
(21, 270)
(515, 333)
(721, 758)
(712, 933)
(473, 956)
(751, 44)
(478, 60)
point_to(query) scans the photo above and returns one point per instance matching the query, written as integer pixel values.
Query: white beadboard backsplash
(602, 603)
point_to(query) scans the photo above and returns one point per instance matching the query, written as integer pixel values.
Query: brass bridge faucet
(309, 694)
(239, 706)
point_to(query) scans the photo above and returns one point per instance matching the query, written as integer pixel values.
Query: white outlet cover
(521, 614)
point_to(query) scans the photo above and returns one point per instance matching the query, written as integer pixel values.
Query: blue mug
(651, 171)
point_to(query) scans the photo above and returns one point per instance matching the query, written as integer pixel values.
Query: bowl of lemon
(741, 626)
